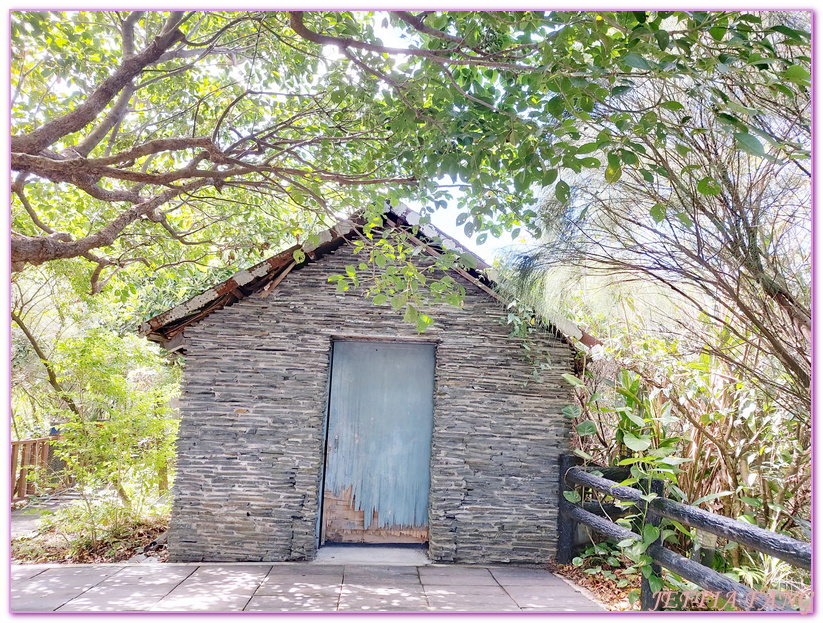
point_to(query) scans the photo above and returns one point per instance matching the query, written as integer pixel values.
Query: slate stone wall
(250, 449)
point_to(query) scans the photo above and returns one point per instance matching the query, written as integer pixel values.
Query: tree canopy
(154, 138)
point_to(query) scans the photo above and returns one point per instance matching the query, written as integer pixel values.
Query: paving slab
(380, 570)
(458, 580)
(308, 568)
(364, 598)
(519, 576)
(139, 577)
(26, 572)
(298, 588)
(73, 576)
(408, 576)
(291, 587)
(292, 603)
(472, 603)
(214, 602)
(238, 574)
(112, 603)
(458, 590)
(41, 603)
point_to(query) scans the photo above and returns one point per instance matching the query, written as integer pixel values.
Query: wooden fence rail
(27, 455)
(785, 548)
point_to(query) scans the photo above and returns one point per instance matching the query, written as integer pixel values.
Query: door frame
(348, 337)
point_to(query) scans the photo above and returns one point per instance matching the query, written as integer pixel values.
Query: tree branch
(46, 364)
(39, 249)
(343, 43)
(46, 135)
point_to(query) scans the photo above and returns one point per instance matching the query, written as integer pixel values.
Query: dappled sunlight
(309, 588)
(382, 597)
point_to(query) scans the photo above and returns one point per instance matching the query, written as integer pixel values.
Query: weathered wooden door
(378, 444)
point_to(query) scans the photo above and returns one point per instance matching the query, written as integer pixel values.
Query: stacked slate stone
(251, 441)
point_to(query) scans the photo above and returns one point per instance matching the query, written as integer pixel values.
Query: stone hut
(312, 416)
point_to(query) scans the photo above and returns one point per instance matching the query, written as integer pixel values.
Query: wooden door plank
(379, 443)
(344, 524)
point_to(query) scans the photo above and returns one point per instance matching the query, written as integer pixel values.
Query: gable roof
(167, 328)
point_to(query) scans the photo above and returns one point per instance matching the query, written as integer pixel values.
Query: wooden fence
(27, 455)
(597, 517)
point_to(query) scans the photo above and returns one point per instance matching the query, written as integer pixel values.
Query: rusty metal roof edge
(242, 277)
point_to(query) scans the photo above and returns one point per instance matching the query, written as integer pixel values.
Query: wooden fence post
(15, 453)
(25, 452)
(566, 526)
(647, 597)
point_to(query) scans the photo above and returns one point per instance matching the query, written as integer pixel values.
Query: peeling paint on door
(379, 436)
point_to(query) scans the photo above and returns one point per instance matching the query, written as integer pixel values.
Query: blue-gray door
(378, 443)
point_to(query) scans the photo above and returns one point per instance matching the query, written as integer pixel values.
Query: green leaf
(626, 543)
(658, 212)
(556, 106)
(299, 256)
(675, 460)
(797, 74)
(708, 186)
(468, 260)
(711, 496)
(572, 411)
(549, 176)
(586, 427)
(650, 533)
(613, 174)
(380, 259)
(572, 496)
(583, 455)
(590, 162)
(662, 37)
(717, 32)
(635, 60)
(637, 444)
(750, 144)
(562, 191)
(682, 149)
(799, 35)
(410, 315)
(672, 105)
(655, 583)
(380, 299)
(572, 380)
(423, 321)
(629, 157)
(635, 419)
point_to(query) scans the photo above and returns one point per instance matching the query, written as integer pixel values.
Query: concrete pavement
(290, 587)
